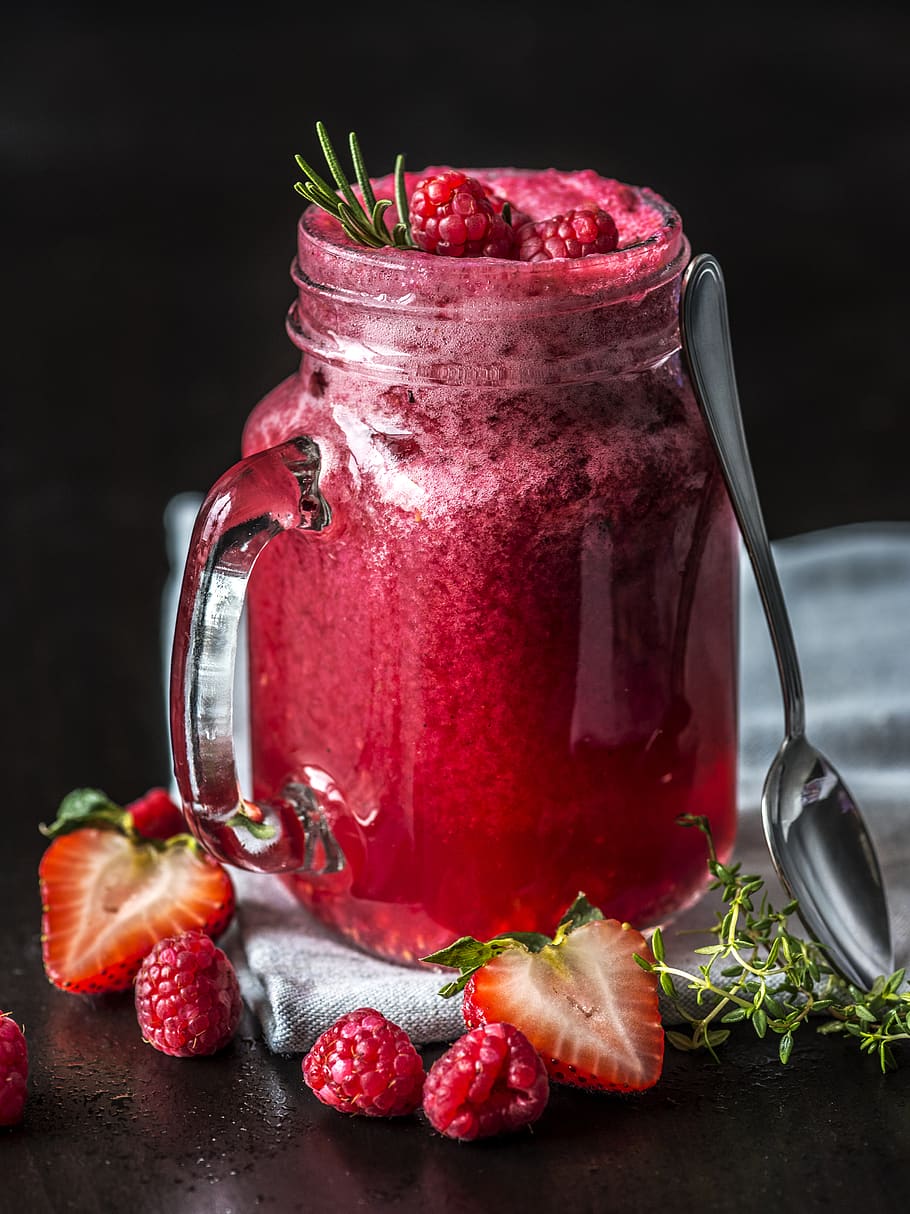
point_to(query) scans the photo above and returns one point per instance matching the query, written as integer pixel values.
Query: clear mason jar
(492, 623)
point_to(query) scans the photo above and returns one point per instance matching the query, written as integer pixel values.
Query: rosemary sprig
(363, 221)
(759, 971)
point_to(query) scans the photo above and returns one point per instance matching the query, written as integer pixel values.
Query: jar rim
(327, 260)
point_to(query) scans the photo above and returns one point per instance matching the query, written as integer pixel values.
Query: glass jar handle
(273, 491)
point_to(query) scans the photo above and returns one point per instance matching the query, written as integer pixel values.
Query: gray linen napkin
(848, 591)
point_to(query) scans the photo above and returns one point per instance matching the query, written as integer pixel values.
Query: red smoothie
(509, 663)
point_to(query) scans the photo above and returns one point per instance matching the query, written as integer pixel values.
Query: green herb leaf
(775, 978)
(832, 1026)
(360, 172)
(657, 945)
(679, 1040)
(716, 1037)
(362, 219)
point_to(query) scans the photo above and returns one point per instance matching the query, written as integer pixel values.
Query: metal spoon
(818, 841)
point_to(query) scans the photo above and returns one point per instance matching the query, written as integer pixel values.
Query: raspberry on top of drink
(500, 214)
(572, 214)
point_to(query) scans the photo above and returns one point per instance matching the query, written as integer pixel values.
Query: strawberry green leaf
(469, 955)
(532, 941)
(579, 913)
(84, 807)
(460, 954)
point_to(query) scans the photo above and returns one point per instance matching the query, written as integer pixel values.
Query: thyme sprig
(363, 221)
(759, 971)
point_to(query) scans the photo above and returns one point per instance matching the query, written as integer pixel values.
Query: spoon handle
(706, 344)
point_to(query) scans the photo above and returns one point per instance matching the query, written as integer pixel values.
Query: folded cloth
(298, 976)
(848, 592)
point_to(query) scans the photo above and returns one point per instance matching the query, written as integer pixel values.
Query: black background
(147, 230)
(150, 222)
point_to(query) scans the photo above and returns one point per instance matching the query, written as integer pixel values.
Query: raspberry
(13, 1071)
(451, 215)
(516, 218)
(578, 233)
(365, 1064)
(491, 1081)
(187, 996)
(156, 816)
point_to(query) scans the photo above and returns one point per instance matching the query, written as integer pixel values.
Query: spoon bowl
(824, 857)
(818, 841)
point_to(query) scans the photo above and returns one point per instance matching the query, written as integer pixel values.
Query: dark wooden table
(112, 1125)
(148, 230)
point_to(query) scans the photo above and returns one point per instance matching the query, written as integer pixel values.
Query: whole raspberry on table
(365, 1064)
(13, 1071)
(491, 1081)
(451, 215)
(187, 996)
(578, 233)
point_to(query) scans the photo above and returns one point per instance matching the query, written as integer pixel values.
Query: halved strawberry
(153, 816)
(108, 899)
(581, 999)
